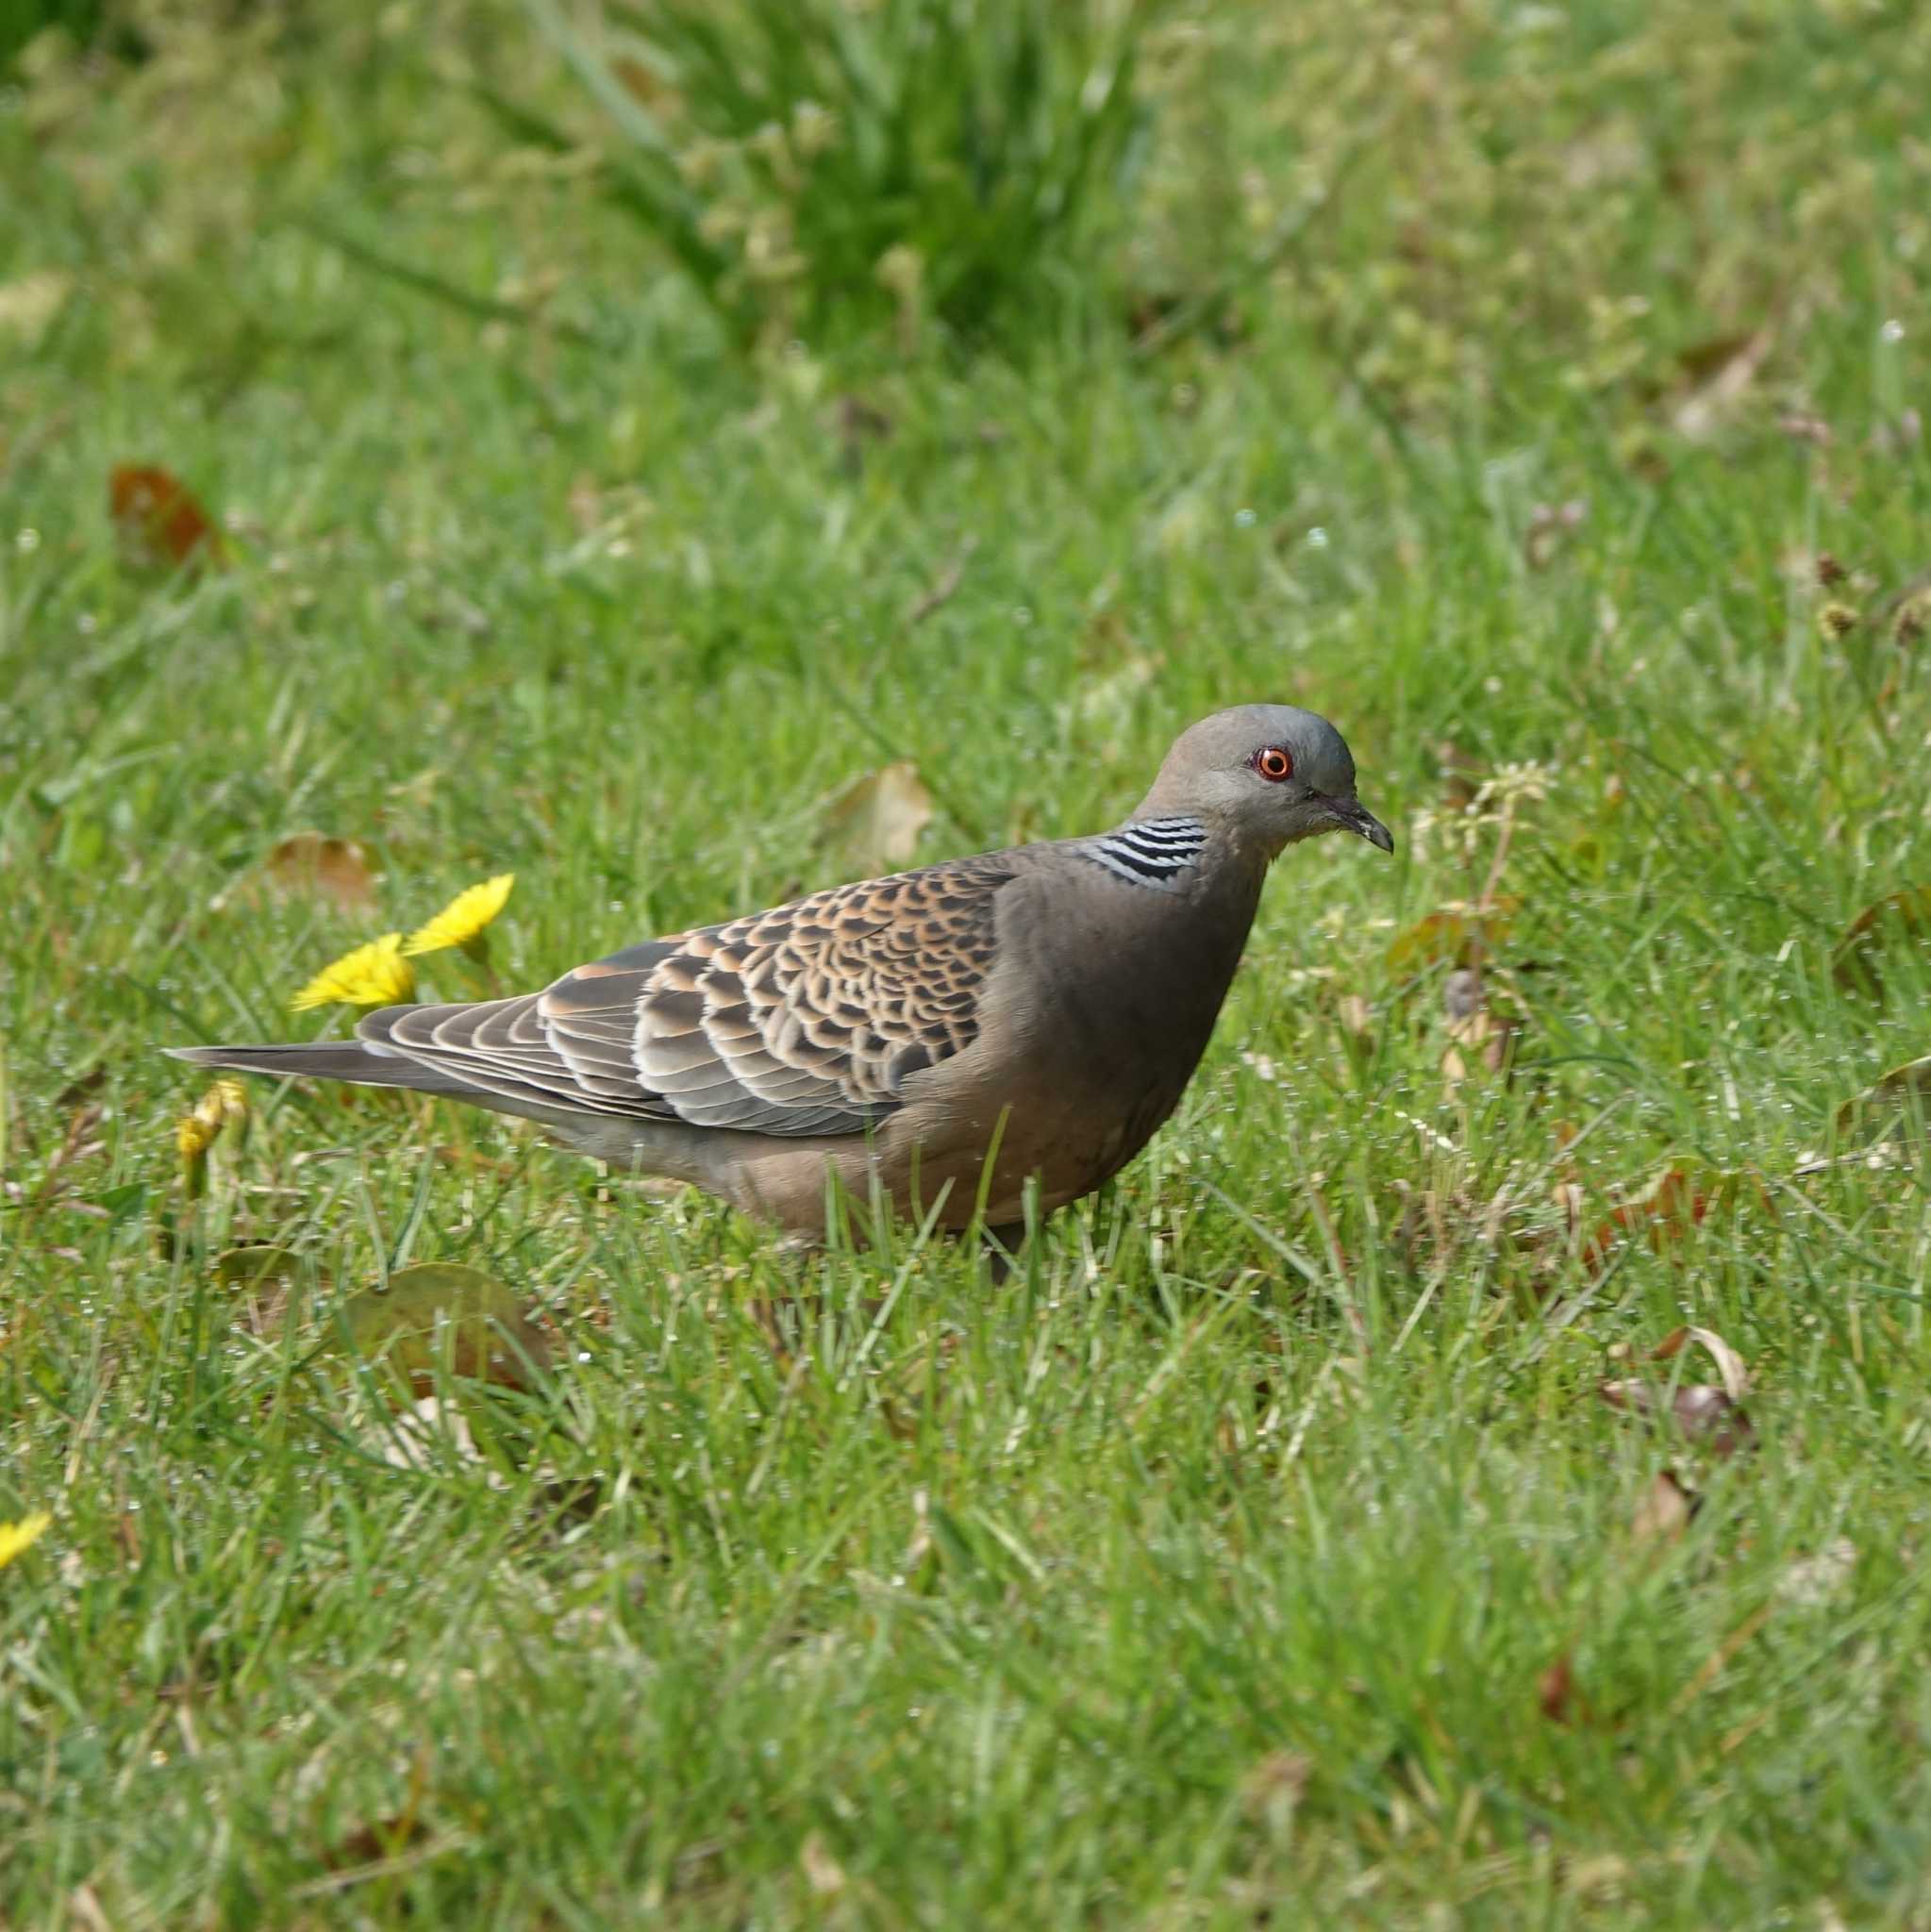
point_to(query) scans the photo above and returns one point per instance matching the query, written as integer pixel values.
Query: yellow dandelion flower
(372, 975)
(463, 918)
(225, 1101)
(193, 1135)
(16, 1536)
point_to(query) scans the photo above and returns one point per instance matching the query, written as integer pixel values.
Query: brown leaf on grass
(30, 306)
(1899, 1103)
(1735, 1376)
(1700, 1413)
(337, 870)
(383, 1837)
(1558, 1696)
(1274, 1786)
(823, 1872)
(1475, 1031)
(255, 1264)
(1663, 1511)
(1718, 373)
(1663, 1213)
(1356, 1017)
(876, 820)
(262, 1277)
(1671, 1207)
(1730, 1370)
(491, 1338)
(159, 521)
(1902, 917)
(1461, 934)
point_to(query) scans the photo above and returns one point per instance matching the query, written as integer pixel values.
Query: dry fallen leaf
(255, 1264)
(1701, 1412)
(1356, 1015)
(876, 820)
(1730, 1369)
(29, 305)
(1720, 373)
(1899, 1103)
(1557, 1695)
(1458, 933)
(159, 521)
(1274, 1786)
(1898, 917)
(491, 1339)
(1671, 1207)
(1475, 1031)
(1663, 1512)
(385, 1837)
(337, 870)
(823, 1872)
(262, 1277)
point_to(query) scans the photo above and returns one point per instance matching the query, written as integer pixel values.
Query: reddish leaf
(1458, 934)
(161, 522)
(1663, 1213)
(1557, 1695)
(383, 1837)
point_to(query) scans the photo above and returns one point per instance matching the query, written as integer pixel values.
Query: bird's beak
(1352, 816)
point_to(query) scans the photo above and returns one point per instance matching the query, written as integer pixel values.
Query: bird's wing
(805, 1020)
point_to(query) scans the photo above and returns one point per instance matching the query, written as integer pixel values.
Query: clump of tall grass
(835, 167)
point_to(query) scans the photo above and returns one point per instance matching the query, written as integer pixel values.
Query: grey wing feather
(805, 1020)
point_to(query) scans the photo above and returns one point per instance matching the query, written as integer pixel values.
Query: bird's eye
(1273, 764)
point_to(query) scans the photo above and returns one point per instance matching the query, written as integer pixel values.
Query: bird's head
(1267, 776)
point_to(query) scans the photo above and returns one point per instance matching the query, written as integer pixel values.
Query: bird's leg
(1000, 1246)
(785, 1314)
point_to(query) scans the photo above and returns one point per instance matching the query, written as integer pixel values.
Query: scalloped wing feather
(808, 1019)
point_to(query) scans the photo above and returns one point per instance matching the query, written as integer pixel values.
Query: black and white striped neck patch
(1152, 852)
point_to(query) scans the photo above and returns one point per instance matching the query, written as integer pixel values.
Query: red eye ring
(1273, 762)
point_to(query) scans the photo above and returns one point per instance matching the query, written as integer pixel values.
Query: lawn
(1540, 395)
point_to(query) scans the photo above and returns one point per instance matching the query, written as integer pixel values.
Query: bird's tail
(329, 1059)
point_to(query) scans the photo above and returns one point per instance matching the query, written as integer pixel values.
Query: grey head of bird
(1265, 775)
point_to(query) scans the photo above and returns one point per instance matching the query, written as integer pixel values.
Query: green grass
(1209, 1573)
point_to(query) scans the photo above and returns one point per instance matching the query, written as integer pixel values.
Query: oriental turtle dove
(1041, 1007)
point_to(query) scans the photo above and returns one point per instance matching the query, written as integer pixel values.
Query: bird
(940, 1040)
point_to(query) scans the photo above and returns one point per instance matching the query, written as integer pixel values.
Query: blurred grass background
(626, 428)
